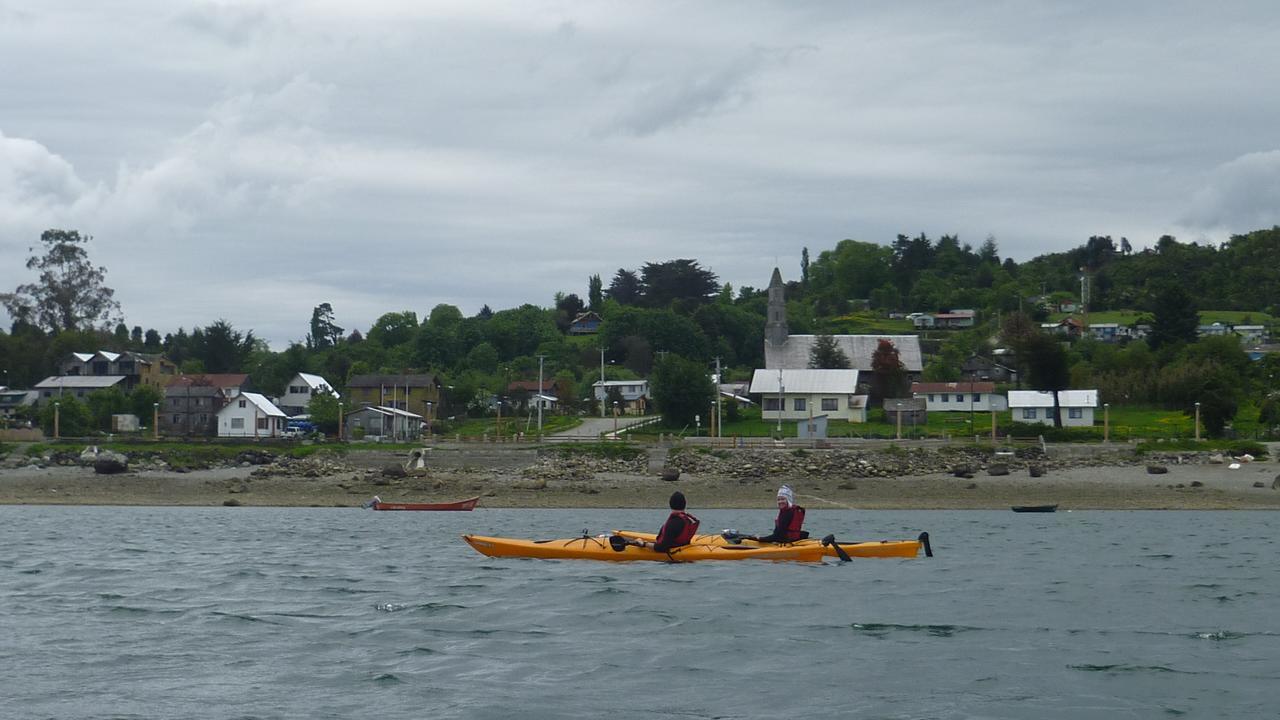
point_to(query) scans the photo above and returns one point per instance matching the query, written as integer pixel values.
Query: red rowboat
(378, 504)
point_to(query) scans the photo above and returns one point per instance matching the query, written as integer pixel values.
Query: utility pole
(540, 359)
(719, 415)
(602, 392)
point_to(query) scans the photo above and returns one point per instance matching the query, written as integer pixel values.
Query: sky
(248, 161)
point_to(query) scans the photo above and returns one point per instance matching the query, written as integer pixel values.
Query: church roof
(794, 353)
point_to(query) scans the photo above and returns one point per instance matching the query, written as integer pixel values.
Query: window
(959, 397)
(177, 419)
(769, 404)
(830, 404)
(798, 404)
(174, 402)
(242, 403)
(262, 423)
(977, 397)
(237, 423)
(1028, 413)
(1075, 413)
(204, 419)
(48, 393)
(930, 397)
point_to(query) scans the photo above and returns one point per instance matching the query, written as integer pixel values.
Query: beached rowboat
(379, 504)
(1035, 508)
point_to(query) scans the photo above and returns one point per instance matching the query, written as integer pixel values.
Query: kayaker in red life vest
(786, 528)
(678, 530)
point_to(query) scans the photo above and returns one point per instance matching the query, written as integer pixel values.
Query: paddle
(830, 541)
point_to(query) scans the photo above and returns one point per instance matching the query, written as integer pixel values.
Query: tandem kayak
(872, 549)
(599, 548)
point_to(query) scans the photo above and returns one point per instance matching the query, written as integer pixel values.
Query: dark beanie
(677, 500)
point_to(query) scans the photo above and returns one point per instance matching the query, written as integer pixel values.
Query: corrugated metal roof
(794, 353)
(78, 381)
(263, 404)
(843, 382)
(1030, 398)
(1078, 398)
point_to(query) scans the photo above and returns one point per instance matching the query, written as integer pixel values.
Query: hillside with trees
(679, 310)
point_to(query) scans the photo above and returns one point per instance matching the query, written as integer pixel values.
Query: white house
(1076, 407)
(1036, 406)
(250, 415)
(1031, 406)
(635, 394)
(959, 396)
(299, 391)
(801, 394)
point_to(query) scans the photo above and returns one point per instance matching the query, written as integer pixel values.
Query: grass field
(478, 427)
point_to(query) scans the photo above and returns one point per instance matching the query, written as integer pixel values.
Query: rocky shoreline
(954, 476)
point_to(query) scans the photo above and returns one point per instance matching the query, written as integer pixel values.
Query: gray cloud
(395, 155)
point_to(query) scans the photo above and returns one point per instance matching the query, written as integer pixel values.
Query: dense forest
(678, 309)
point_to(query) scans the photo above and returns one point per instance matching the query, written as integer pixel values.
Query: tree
(151, 341)
(825, 353)
(104, 403)
(1047, 368)
(221, 348)
(143, 400)
(624, 288)
(394, 328)
(681, 389)
(323, 409)
(887, 371)
(804, 267)
(595, 293)
(1175, 318)
(74, 419)
(70, 293)
(324, 332)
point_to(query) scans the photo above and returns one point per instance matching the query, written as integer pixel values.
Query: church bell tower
(775, 328)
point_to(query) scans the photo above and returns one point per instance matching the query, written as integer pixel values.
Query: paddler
(786, 527)
(678, 530)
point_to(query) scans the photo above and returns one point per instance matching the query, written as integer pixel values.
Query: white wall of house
(300, 389)
(243, 418)
(802, 406)
(1075, 407)
(962, 401)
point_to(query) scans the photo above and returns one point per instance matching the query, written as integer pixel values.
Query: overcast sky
(248, 161)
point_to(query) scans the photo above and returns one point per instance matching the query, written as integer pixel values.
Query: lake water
(343, 613)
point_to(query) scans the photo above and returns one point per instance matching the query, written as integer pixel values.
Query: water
(342, 613)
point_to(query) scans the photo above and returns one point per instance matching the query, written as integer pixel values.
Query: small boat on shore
(1035, 508)
(378, 503)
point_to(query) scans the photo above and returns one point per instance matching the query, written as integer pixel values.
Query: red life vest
(791, 532)
(686, 534)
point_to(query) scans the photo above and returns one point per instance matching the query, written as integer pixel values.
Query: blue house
(587, 323)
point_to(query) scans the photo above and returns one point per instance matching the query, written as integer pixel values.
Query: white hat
(786, 493)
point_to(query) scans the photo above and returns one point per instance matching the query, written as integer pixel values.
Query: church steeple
(775, 327)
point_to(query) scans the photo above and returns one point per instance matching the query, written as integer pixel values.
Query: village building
(300, 390)
(251, 415)
(634, 395)
(382, 423)
(191, 402)
(1075, 407)
(136, 368)
(784, 351)
(418, 393)
(801, 394)
(959, 396)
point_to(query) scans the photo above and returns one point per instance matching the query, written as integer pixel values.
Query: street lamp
(782, 401)
(429, 406)
(1106, 422)
(897, 404)
(155, 421)
(615, 419)
(57, 410)
(1197, 422)
(339, 421)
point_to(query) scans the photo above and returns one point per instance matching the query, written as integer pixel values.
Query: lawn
(1207, 317)
(478, 427)
(868, 322)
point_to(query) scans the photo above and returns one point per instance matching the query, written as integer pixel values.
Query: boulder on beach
(1035, 470)
(997, 469)
(1157, 469)
(671, 474)
(110, 463)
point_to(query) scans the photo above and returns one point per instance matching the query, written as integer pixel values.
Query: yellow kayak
(599, 548)
(875, 549)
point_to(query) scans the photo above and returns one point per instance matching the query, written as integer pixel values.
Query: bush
(611, 451)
